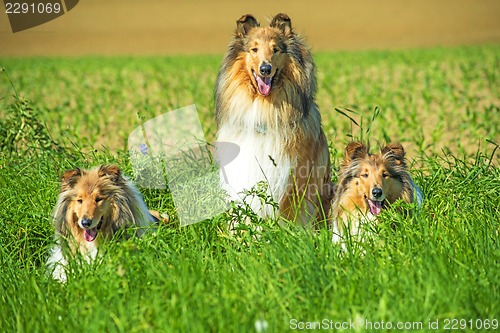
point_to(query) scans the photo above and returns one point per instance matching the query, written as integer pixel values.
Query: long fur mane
(297, 78)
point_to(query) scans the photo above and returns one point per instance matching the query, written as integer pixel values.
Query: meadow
(435, 271)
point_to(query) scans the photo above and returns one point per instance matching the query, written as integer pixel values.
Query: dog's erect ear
(396, 151)
(70, 178)
(245, 24)
(282, 22)
(355, 150)
(112, 171)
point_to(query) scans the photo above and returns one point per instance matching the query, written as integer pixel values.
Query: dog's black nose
(265, 69)
(377, 192)
(86, 223)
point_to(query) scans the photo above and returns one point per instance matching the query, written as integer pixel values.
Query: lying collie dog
(265, 104)
(367, 184)
(93, 205)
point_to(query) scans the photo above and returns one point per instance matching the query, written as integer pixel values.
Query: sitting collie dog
(367, 184)
(264, 99)
(93, 205)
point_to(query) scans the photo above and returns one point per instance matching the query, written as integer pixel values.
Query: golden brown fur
(93, 205)
(272, 116)
(368, 183)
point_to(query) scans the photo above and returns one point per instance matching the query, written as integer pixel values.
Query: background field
(442, 103)
(152, 27)
(77, 108)
(429, 100)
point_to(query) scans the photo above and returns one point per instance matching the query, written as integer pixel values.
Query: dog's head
(378, 178)
(265, 49)
(91, 196)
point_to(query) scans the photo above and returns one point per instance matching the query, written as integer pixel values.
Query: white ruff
(57, 263)
(262, 156)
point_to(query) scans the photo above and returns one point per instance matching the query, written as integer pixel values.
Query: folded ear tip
(356, 149)
(282, 21)
(245, 17)
(354, 145)
(70, 173)
(396, 146)
(69, 178)
(396, 149)
(245, 23)
(283, 16)
(111, 170)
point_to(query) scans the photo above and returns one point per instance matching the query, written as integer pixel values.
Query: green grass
(442, 104)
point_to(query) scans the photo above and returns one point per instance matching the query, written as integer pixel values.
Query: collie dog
(93, 205)
(264, 99)
(367, 184)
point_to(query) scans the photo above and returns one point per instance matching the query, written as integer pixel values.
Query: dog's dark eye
(254, 49)
(97, 199)
(385, 175)
(275, 50)
(79, 201)
(365, 175)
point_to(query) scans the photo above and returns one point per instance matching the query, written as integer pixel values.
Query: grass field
(443, 104)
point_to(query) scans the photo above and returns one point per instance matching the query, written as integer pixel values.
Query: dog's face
(90, 195)
(377, 179)
(266, 49)
(375, 183)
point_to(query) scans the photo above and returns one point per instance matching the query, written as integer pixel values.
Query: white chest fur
(262, 156)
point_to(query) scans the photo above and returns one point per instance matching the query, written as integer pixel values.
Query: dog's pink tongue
(90, 234)
(264, 85)
(375, 207)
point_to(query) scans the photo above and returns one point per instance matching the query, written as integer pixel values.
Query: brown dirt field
(165, 27)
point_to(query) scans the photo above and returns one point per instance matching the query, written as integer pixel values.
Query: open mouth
(91, 234)
(264, 83)
(375, 206)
